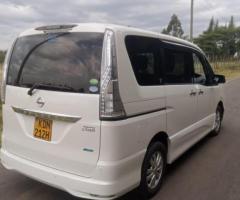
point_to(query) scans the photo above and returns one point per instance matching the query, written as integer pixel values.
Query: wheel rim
(154, 171)
(217, 124)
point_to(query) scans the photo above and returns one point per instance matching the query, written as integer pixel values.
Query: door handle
(201, 92)
(193, 93)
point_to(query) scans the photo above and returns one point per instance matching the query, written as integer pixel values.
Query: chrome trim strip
(59, 117)
(167, 109)
(149, 112)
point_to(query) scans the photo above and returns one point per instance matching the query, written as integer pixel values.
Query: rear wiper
(31, 52)
(49, 86)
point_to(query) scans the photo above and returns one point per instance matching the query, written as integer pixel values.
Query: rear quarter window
(145, 57)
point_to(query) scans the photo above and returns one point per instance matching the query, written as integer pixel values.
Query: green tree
(231, 23)
(164, 31)
(211, 26)
(174, 27)
(216, 25)
(220, 40)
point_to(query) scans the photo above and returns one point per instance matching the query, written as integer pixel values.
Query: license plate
(43, 129)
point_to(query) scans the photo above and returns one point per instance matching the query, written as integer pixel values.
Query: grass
(230, 70)
(229, 74)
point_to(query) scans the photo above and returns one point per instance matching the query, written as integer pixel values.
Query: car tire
(218, 121)
(153, 169)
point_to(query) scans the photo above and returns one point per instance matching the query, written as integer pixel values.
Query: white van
(98, 110)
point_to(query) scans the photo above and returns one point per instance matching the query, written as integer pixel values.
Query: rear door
(181, 99)
(181, 92)
(57, 123)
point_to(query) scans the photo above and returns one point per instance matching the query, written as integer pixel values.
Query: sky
(18, 15)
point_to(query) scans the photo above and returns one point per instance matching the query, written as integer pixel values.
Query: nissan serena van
(98, 110)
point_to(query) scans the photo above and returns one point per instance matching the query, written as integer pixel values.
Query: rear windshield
(63, 60)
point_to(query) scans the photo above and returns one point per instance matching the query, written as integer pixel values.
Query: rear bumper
(113, 179)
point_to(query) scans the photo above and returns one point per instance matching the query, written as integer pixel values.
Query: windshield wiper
(51, 87)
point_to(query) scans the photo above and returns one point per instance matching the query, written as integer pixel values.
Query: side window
(209, 69)
(178, 67)
(144, 54)
(199, 71)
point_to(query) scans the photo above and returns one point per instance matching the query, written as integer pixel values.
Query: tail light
(111, 107)
(4, 76)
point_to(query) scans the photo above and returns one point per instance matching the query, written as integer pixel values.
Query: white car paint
(106, 162)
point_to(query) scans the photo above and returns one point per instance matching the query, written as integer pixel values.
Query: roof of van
(100, 27)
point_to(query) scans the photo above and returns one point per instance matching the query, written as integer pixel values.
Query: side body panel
(126, 138)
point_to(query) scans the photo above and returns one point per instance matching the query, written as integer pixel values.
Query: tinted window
(209, 70)
(199, 72)
(178, 67)
(144, 55)
(71, 60)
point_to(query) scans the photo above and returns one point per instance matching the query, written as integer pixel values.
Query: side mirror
(219, 79)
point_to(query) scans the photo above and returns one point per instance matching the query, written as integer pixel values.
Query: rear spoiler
(56, 28)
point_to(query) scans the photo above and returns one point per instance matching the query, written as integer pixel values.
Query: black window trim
(208, 66)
